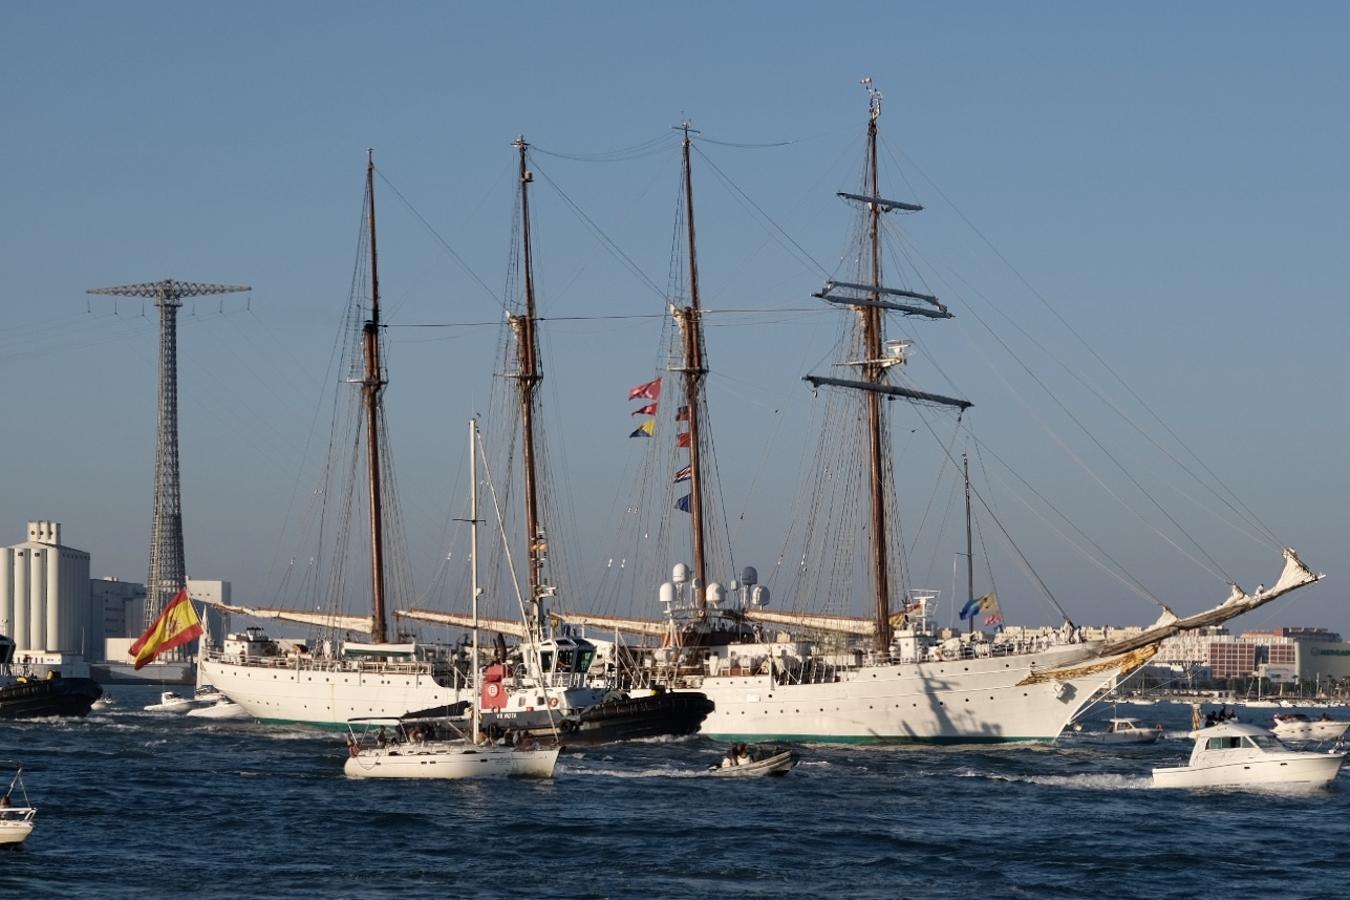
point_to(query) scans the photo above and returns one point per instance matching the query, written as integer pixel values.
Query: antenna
(873, 97)
(168, 572)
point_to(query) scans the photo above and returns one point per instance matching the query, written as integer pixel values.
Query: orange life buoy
(552, 702)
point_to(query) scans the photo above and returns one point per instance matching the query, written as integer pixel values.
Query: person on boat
(382, 738)
(5, 802)
(733, 752)
(353, 748)
(744, 758)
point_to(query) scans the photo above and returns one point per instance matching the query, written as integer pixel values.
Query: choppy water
(137, 805)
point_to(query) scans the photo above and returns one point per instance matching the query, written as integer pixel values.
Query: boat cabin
(251, 643)
(1231, 742)
(566, 660)
(1125, 726)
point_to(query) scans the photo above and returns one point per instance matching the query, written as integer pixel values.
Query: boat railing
(330, 664)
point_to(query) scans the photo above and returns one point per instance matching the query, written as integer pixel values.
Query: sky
(1167, 184)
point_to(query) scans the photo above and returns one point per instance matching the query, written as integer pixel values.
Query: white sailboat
(453, 759)
(913, 680)
(288, 681)
(17, 813)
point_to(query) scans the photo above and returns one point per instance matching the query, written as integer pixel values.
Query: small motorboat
(753, 762)
(405, 754)
(169, 702)
(1122, 731)
(1298, 727)
(16, 812)
(1238, 755)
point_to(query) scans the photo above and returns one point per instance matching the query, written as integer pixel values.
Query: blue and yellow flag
(645, 429)
(987, 603)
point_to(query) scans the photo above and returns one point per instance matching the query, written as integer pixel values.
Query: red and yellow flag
(176, 625)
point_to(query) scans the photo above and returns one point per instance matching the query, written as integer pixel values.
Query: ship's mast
(870, 300)
(694, 369)
(872, 372)
(473, 570)
(372, 384)
(528, 377)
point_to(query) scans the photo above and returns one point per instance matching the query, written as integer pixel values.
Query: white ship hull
(323, 695)
(983, 699)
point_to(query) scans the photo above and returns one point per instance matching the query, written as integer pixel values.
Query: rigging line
(1016, 549)
(749, 310)
(604, 238)
(1239, 514)
(645, 148)
(1139, 587)
(767, 218)
(1090, 349)
(441, 240)
(1092, 437)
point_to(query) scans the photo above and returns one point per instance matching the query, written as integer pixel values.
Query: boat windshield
(1264, 741)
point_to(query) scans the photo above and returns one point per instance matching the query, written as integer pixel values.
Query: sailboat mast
(473, 566)
(371, 385)
(528, 378)
(970, 546)
(694, 369)
(872, 371)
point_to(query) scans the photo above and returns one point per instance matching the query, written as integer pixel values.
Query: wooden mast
(694, 369)
(528, 378)
(372, 383)
(873, 372)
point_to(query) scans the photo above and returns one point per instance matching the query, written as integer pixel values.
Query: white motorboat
(170, 702)
(756, 763)
(1298, 727)
(16, 812)
(1122, 731)
(1238, 755)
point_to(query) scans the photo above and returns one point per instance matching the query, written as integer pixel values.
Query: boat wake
(1101, 781)
(654, 772)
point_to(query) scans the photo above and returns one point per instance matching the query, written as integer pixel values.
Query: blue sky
(1172, 180)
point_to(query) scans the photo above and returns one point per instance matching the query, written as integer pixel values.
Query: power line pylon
(168, 571)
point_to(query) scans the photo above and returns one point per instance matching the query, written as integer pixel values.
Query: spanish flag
(177, 625)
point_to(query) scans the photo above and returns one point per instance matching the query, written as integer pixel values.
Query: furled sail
(505, 626)
(1295, 575)
(338, 621)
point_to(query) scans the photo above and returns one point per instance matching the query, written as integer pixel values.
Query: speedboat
(1238, 755)
(408, 756)
(222, 708)
(169, 702)
(16, 812)
(1298, 727)
(757, 762)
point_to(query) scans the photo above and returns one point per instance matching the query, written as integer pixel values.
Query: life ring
(567, 726)
(552, 702)
(494, 689)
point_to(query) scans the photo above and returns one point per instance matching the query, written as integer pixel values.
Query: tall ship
(896, 675)
(340, 679)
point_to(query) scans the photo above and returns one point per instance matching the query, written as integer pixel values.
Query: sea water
(137, 805)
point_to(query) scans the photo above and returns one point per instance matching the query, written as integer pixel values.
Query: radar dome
(680, 574)
(749, 575)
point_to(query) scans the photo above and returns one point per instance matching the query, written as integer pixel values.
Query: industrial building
(44, 595)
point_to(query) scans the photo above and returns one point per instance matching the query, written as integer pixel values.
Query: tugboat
(25, 696)
(561, 699)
